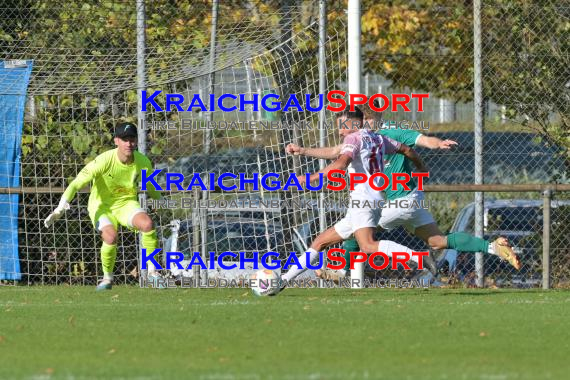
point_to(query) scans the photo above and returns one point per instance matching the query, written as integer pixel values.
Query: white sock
(295, 271)
(108, 277)
(389, 246)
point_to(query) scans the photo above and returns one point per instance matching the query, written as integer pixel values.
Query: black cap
(126, 130)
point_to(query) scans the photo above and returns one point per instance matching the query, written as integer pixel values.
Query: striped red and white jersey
(367, 150)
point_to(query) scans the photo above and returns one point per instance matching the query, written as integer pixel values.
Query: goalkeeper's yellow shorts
(103, 215)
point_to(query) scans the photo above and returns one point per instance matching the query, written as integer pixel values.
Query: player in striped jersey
(362, 151)
(114, 177)
(418, 221)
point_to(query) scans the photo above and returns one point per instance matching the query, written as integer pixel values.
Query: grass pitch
(74, 333)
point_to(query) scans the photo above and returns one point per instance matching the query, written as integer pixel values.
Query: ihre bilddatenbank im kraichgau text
(273, 103)
(273, 182)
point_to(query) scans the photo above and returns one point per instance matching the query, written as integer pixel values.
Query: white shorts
(409, 217)
(355, 219)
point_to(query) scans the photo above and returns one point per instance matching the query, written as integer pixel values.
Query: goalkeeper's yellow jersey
(113, 184)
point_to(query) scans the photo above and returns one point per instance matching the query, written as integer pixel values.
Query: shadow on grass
(490, 292)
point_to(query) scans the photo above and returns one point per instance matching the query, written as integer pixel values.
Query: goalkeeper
(114, 177)
(418, 221)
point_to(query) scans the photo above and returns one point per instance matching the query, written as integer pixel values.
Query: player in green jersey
(114, 177)
(418, 221)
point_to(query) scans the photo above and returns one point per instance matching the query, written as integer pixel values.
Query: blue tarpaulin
(14, 78)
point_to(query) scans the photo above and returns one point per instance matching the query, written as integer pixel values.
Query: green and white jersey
(113, 184)
(398, 163)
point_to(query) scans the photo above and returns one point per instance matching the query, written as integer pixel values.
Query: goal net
(84, 81)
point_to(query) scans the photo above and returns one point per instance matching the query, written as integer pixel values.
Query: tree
(425, 45)
(428, 46)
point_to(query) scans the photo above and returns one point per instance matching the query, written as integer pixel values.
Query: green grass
(73, 332)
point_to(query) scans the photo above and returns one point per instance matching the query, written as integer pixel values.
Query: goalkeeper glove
(57, 213)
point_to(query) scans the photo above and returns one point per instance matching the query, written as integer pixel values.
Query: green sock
(150, 242)
(464, 242)
(349, 245)
(108, 257)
